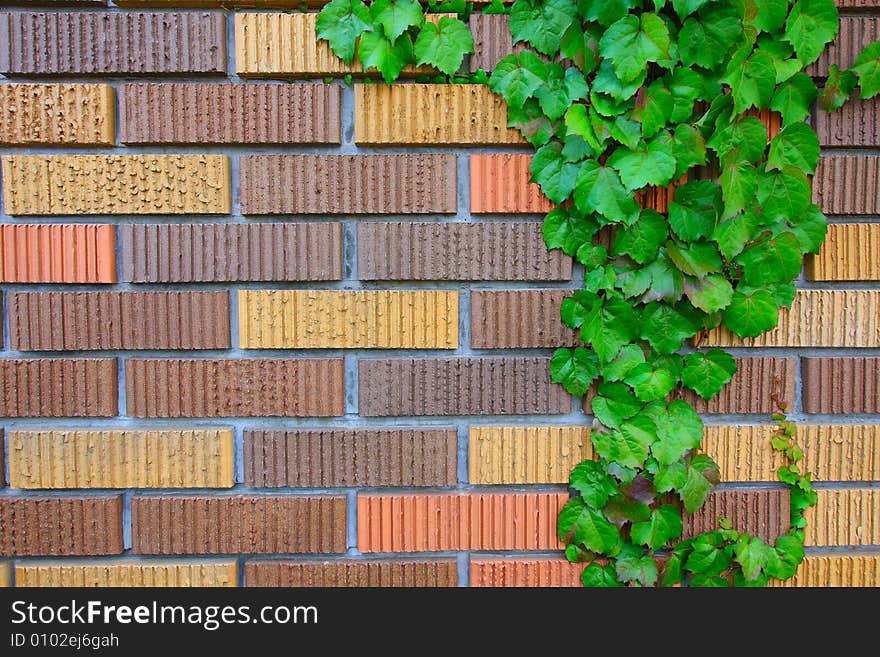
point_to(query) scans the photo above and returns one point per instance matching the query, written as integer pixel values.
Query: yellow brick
(57, 114)
(323, 319)
(841, 452)
(817, 318)
(201, 458)
(851, 252)
(5, 574)
(845, 517)
(526, 455)
(127, 573)
(116, 184)
(431, 114)
(836, 570)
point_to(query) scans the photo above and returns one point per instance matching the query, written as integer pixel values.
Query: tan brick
(5, 574)
(845, 517)
(835, 570)
(128, 573)
(526, 454)
(850, 253)
(57, 114)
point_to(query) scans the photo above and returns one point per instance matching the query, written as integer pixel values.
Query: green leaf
(444, 45)
(695, 258)
(596, 575)
(665, 328)
(752, 554)
(671, 477)
(591, 481)
(686, 86)
(549, 169)
(810, 229)
(627, 446)
(517, 77)
(664, 526)
(610, 326)
(751, 314)
(592, 256)
(695, 210)
(560, 90)
(867, 69)
(702, 477)
(667, 282)
(651, 383)
(607, 82)
(707, 373)
(641, 240)
(632, 42)
(685, 8)
(794, 98)
(396, 16)
(579, 47)
(599, 189)
(389, 58)
(575, 370)
(707, 557)
(530, 120)
(650, 164)
(688, 147)
(747, 134)
(679, 429)
(751, 81)
(606, 12)
(772, 259)
(632, 565)
(624, 509)
(732, 234)
(789, 555)
(710, 294)
(341, 22)
(705, 41)
(567, 230)
(796, 145)
(541, 22)
(656, 107)
(838, 88)
(811, 25)
(614, 403)
(739, 184)
(784, 193)
(589, 528)
(629, 357)
(575, 309)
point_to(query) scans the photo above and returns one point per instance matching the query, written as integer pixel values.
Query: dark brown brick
(841, 385)
(112, 43)
(507, 319)
(458, 386)
(230, 524)
(847, 184)
(327, 458)
(855, 34)
(56, 526)
(761, 512)
(233, 387)
(492, 40)
(367, 573)
(348, 184)
(857, 123)
(70, 321)
(58, 387)
(209, 113)
(496, 251)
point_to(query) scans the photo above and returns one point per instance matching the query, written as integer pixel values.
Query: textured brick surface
(164, 387)
(229, 524)
(328, 458)
(526, 454)
(506, 319)
(213, 573)
(517, 572)
(58, 387)
(761, 512)
(847, 184)
(116, 184)
(857, 123)
(500, 183)
(362, 573)
(844, 517)
(492, 41)
(320, 319)
(854, 35)
(121, 458)
(841, 385)
(5, 574)
(57, 253)
(836, 570)
(848, 254)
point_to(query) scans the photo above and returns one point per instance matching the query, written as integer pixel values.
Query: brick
(500, 184)
(56, 526)
(832, 452)
(841, 385)
(436, 522)
(81, 321)
(348, 319)
(163, 573)
(847, 184)
(121, 458)
(508, 319)
(57, 253)
(190, 253)
(209, 113)
(497, 251)
(116, 184)
(857, 123)
(526, 454)
(854, 35)
(817, 318)
(467, 114)
(492, 41)
(2, 459)
(761, 512)
(5, 574)
(844, 517)
(56, 3)
(113, 43)
(230, 524)
(348, 184)
(348, 573)
(234, 387)
(57, 115)
(58, 387)
(330, 458)
(459, 386)
(519, 572)
(835, 570)
(849, 253)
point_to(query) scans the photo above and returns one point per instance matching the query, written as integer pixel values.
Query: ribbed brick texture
(508, 319)
(854, 35)
(841, 385)
(398, 573)
(321, 319)
(348, 184)
(526, 454)
(103, 184)
(760, 512)
(751, 388)
(500, 183)
(517, 572)
(230, 524)
(112, 43)
(190, 253)
(458, 386)
(121, 458)
(128, 574)
(57, 114)
(857, 123)
(58, 387)
(836, 570)
(70, 321)
(848, 254)
(230, 387)
(57, 253)
(844, 517)
(330, 458)
(61, 526)
(437, 522)
(457, 252)
(847, 184)
(492, 41)
(5, 574)
(207, 113)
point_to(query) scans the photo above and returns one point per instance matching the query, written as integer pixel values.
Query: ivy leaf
(751, 314)
(541, 22)
(784, 193)
(772, 259)
(517, 77)
(641, 240)
(705, 41)
(632, 42)
(396, 16)
(685, 8)
(530, 120)
(614, 403)
(796, 145)
(610, 326)
(575, 309)
(703, 476)
(444, 45)
(555, 176)
(789, 555)
(591, 481)
(810, 229)
(628, 445)
(664, 526)
(747, 134)
(589, 528)
(651, 383)
(650, 164)
(567, 230)
(707, 373)
(389, 58)
(597, 575)
(599, 189)
(579, 47)
(732, 234)
(632, 565)
(665, 327)
(686, 86)
(670, 477)
(695, 210)
(679, 429)
(751, 81)
(667, 282)
(707, 558)
(656, 108)
(341, 22)
(710, 294)
(739, 184)
(629, 357)
(867, 69)
(688, 148)
(575, 370)
(838, 88)
(752, 554)
(560, 90)
(606, 12)
(811, 25)
(794, 98)
(592, 256)
(624, 509)
(607, 82)
(695, 258)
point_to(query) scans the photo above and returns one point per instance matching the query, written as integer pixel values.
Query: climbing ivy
(625, 101)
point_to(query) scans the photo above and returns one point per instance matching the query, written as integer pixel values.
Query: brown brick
(854, 35)
(492, 41)
(509, 319)
(857, 123)
(58, 387)
(230, 524)
(348, 184)
(234, 387)
(761, 512)
(361, 573)
(459, 386)
(83, 321)
(57, 253)
(112, 43)
(105, 573)
(2, 459)
(847, 184)
(849, 253)
(55, 526)
(189, 253)
(519, 572)
(500, 183)
(844, 517)
(330, 458)
(208, 113)
(841, 385)
(457, 251)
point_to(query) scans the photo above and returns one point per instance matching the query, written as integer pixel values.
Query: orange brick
(500, 184)
(518, 573)
(57, 253)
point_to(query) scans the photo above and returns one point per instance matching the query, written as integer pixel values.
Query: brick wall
(268, 333)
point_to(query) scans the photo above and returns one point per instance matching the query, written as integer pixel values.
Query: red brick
(519, 572)
(348, 573)
(57, 253)
(58, 387)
